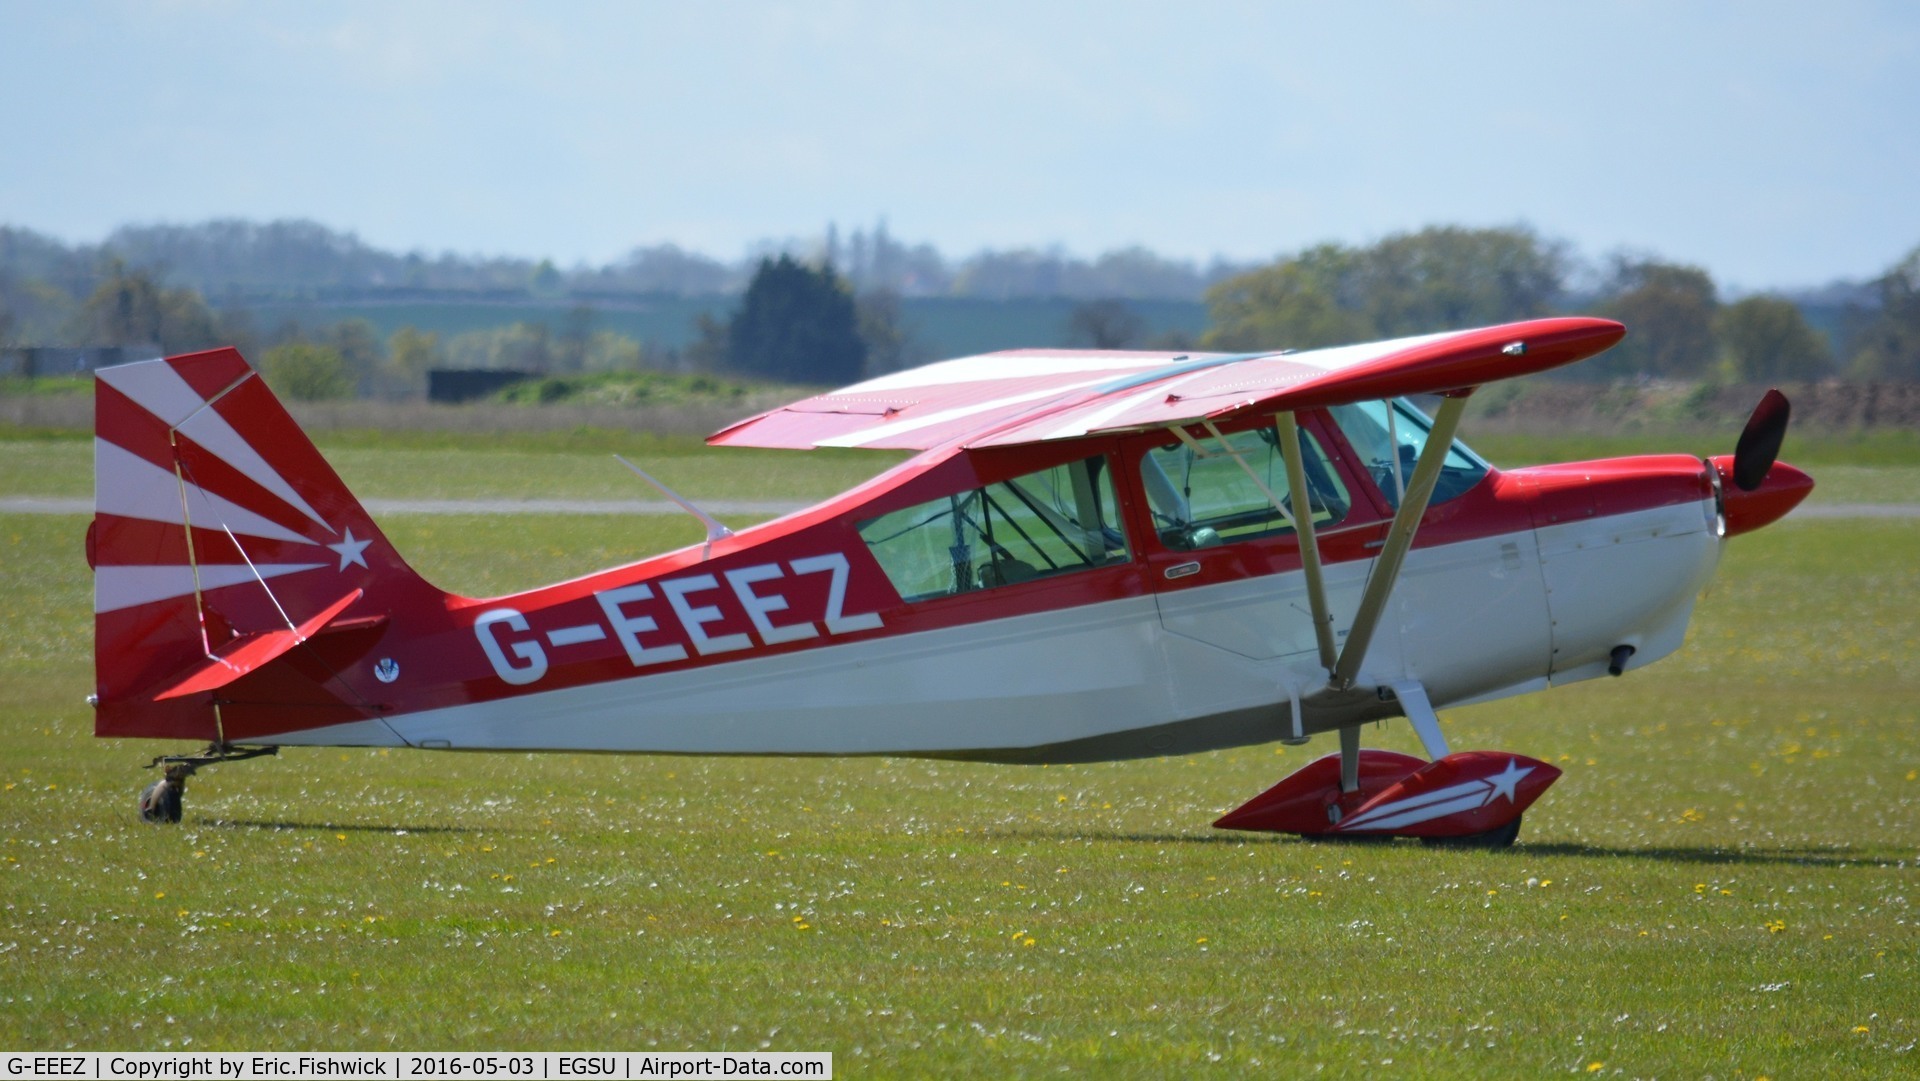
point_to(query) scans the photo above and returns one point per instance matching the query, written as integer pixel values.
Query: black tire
(1497, 837)
(160, 803)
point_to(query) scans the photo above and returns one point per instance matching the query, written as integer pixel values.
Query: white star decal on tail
(351, 551)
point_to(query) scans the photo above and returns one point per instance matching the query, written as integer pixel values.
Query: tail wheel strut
(161, 801)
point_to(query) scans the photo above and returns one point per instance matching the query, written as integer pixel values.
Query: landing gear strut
(160, 802)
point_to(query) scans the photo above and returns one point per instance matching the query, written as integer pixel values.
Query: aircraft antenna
(715, 531)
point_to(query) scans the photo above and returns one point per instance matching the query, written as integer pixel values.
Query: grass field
(1722, 885)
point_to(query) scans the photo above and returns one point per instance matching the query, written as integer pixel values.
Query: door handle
(1183, 570)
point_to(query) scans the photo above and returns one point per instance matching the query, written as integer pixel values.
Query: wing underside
(1028, 396)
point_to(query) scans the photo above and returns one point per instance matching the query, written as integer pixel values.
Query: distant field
(1722, 884)
(1882, 467)
(943, 326)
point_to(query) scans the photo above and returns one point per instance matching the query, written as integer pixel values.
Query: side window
(1389, 436)
(1051, 522)
(1208, 498)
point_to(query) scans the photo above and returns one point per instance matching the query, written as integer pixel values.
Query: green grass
(1723, 883)
(535, 465)
(45, 385)
(577, 463)
(623, 388)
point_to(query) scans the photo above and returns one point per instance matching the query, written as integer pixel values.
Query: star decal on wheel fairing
(1466, 796)
(1507, 780)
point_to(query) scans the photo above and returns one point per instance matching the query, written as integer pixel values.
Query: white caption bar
(413, 1066)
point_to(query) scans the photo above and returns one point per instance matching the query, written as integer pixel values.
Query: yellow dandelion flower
(1861, 1030)
(1593, 1067)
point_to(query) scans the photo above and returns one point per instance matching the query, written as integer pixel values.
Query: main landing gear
(160, 802)
(1468, 799)
(1459, 799)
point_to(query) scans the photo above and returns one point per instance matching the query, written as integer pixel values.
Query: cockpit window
(1389, 436)
(1051, 522)
(1202, 499)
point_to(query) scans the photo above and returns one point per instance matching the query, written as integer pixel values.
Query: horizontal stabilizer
(250, 651)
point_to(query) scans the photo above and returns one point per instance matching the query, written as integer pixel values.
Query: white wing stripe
(988, 367)
(888, 431)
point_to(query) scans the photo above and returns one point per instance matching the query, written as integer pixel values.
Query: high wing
(1026, 396)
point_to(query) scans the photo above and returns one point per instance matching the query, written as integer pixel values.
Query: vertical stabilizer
(216, 522)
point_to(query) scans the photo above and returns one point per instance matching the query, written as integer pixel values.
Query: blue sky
(1776, 144)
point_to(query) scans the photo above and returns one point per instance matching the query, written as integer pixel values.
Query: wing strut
(1386, 568)
(1309, 545)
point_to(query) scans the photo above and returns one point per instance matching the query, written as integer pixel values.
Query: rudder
(217, 527)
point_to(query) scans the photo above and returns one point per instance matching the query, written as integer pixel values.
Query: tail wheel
(160, 802)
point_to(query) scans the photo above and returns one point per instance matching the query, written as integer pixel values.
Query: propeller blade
(1759, 442)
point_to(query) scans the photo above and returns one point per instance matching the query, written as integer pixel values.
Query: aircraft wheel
(160, 802)
(1497, 837)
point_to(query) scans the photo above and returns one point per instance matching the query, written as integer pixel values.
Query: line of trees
(1446, 277)
(230, 262)
(809, 322)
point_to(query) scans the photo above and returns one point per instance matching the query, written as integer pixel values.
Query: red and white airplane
(1095, 555)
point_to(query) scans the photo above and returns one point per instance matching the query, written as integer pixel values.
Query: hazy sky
(1776, 144)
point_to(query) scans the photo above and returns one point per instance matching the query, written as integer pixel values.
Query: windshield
(1389, 436)
(1212, 492)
